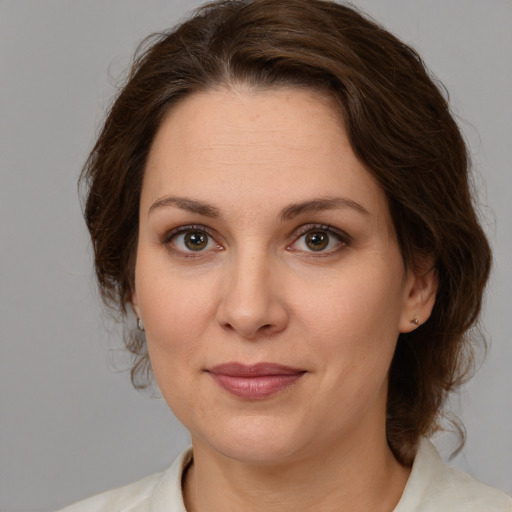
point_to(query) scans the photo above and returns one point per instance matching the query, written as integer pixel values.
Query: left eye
(192, 240)
(319, 240)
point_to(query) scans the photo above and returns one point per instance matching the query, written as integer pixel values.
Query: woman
(280, 195)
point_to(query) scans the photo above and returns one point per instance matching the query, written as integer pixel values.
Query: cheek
(175, 312)
(354, 318)
(178, 336)
(173, 335)
(176, 322)
(170, 300)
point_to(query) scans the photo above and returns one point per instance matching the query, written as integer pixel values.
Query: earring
(416, 320)
(140, 325)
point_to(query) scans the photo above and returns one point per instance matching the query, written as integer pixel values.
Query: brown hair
(399, 125)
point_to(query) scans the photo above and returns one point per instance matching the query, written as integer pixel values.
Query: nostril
(251, 316)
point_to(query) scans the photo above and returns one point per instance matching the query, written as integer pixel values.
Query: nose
(252, 303)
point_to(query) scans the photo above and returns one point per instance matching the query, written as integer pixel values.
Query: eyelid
(307, 228)
(168, 235)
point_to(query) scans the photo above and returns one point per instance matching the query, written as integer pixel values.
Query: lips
(255, 382)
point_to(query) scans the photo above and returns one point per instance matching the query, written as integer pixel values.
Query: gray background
(70, 423)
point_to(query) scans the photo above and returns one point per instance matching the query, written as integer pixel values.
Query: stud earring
(416, 320)
(140, 325)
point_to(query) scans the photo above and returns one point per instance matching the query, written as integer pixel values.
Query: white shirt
(432, 487)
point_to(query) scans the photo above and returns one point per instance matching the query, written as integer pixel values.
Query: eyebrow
(323, 203)
(189, 205)
(287, 213)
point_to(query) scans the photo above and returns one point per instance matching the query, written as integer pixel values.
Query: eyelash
(342, 237)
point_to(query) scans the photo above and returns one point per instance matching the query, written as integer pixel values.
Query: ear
(420, 297)
(135, 303)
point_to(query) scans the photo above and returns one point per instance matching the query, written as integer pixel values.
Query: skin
(257, 292)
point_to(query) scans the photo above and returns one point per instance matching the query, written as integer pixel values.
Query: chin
(256, 440)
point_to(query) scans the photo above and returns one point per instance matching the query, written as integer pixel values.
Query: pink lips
(254, 382)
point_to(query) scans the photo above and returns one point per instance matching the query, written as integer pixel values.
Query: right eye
(191, 239)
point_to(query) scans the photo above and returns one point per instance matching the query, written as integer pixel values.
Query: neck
(353, 476)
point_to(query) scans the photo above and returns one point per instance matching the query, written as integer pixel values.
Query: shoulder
(139, 496)
(436, 487)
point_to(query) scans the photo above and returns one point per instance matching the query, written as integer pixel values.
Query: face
(268, 276)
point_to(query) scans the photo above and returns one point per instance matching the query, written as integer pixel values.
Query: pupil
(195, 241)
(317, 241)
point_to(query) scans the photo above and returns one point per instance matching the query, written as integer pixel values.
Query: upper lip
(253, 370)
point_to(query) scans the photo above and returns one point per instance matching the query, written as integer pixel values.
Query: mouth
(254, 382)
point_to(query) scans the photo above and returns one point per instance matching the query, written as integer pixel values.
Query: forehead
(256, 147)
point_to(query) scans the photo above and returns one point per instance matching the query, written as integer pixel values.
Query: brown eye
(190, 240)
(195, 240)
(320, 239)
(317, 240)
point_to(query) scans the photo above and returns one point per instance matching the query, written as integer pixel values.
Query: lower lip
(255, 387)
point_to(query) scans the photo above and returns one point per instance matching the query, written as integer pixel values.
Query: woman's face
(268, 276)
